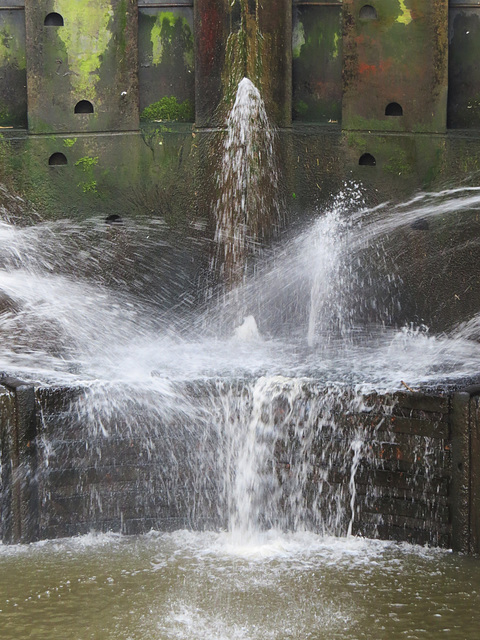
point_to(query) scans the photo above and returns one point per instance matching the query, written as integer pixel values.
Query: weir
(193, 348)
(399, 466)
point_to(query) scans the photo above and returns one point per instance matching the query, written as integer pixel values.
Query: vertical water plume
(247, 208)
(328, 314)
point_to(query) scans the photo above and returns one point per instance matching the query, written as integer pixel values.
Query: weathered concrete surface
(317, 63)
(13, 75)
(464, 71)
(7, 419)
(212, 26)
(92, 57)
(460, 490)
(399, 57)
(167, 173)
(19, 456)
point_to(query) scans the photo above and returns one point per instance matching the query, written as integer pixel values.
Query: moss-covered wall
(166, 62)
(13, 60)
(91, 57)
(132, 175)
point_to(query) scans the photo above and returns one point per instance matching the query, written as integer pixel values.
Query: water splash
(248, 443)
(314, 302)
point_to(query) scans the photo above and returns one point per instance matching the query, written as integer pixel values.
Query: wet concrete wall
(464, 75)
(13, 75)
(348, 57)
(338, 65)
(395, 65)
(82, 65)
(417, 478)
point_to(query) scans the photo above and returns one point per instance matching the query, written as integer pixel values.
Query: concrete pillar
(21, 445)
(234, 40)
(211, 20)
(460, 484)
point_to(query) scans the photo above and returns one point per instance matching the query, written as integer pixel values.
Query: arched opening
(84, 106)
(53, 20)
(57, 160)
(367, 160)
(367, 12)
(393, 109)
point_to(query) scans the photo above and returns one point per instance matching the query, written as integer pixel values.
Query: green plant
(301, 107)
(87, 165)
(168, 108)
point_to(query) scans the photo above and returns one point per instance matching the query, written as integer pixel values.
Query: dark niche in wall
(53, 20)
(393, 109)
(367, 12)
(57, 160)
(84, 106)
(367, 160)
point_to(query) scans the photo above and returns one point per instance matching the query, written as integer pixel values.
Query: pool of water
(196, 586)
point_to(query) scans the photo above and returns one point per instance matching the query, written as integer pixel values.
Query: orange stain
(367, 68)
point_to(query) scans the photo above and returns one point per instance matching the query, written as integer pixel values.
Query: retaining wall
(417, 477)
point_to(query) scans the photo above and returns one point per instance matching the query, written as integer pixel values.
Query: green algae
(336, 45)
(87, 165)
(167, 28)
(12, 48)
(405, 16)
(399, 164)
(86, 37)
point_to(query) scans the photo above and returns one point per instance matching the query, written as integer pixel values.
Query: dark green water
(199, 586)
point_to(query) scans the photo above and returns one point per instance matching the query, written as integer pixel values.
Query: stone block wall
(65, 472)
